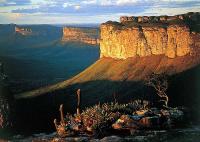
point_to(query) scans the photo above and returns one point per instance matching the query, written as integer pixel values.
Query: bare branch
(159, 83)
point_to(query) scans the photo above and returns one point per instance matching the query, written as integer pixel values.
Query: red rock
(77, 34)
(122, 43)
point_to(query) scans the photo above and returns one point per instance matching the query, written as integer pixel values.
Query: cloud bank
(88, 11)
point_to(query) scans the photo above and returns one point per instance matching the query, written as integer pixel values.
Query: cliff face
(137, 38)
(122, 43)
(23, 31)
(88, 36)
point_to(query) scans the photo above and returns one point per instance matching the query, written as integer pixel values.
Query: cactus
(78, 101)
(55, 123)
(62, 122)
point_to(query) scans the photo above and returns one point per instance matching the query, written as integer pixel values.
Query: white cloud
(169, 0)
(125, 2)
(66, 4)
(106, 2)
(156, 10)
(89, 2)
(12, 16)
(89, 10)
(77, 7)
(15, 15)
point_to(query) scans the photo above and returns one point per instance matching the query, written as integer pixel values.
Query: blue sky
(87, 11)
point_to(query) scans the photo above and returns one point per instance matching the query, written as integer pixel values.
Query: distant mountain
(21, 38)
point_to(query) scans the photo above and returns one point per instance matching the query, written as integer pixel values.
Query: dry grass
(104, 115)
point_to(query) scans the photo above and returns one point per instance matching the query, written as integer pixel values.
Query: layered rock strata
(124, 40)
(77, 34)
(23, 31)
(122, 43)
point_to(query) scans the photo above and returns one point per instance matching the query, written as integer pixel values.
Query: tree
(160, 83)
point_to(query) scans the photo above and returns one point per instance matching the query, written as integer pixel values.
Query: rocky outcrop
(137, 36)
(88, 36)
(23, 31)
(178, 41)
(123, 42)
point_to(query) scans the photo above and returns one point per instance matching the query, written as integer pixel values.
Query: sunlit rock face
(88, 36)
(23, 31)
(179, 41)
(145, 36)
(123, 42)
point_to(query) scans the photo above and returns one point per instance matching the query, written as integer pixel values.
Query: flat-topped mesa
(23, 31)
(124, 40)
(88, 36)
(144, 41)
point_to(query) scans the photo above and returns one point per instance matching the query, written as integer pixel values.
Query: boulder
(150, 122)
(112, 139)
(125, 122)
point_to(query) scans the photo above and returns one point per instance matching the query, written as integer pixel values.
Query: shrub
(102, 116)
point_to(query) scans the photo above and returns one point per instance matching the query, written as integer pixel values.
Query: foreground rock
(149, 119)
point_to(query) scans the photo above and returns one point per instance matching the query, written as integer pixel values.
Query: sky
(88, 11)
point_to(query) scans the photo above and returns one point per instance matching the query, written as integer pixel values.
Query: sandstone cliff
(130, 38)
(23, 31)
(172, 41)
(88, 36)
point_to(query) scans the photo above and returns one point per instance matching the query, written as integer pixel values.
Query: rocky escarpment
(23, 31)
(143, 37)
(88, 36)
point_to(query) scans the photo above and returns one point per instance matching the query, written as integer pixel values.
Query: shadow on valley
(39, 58)
(37, 114)
(32, 68)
